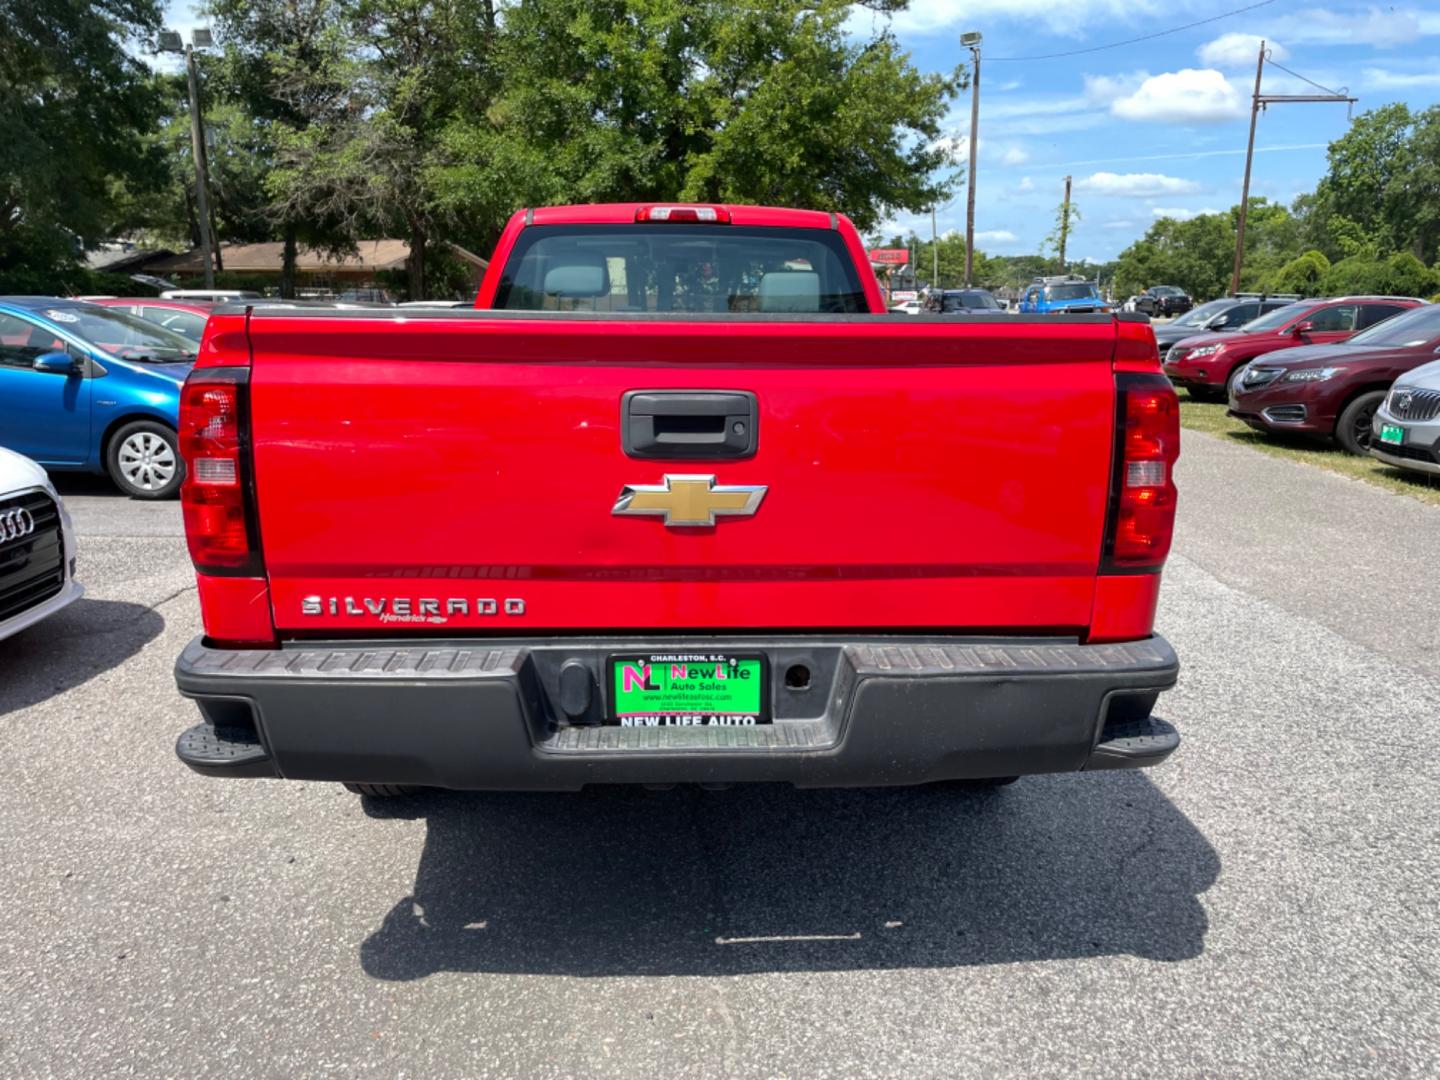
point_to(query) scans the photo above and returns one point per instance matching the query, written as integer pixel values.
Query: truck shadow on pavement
(761, 879)
(71, 647)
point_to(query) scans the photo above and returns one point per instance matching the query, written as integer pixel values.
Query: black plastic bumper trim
(484, 714)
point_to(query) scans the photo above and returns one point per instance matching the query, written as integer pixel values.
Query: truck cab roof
(618, 213)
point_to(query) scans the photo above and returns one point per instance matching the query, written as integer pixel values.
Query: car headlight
(1204, 350)
(1312, 374)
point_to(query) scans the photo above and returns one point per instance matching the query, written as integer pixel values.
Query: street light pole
(197, 147)
(972, 41)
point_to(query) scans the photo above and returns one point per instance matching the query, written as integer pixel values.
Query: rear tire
(384, 791)
(143, 460)
(1355, 428)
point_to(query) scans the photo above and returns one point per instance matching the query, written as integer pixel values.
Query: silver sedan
(1407, 423)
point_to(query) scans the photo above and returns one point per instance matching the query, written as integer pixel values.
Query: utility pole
(934, 252)
(1064, 223)
(1257, 102)
(971, 40)
(1245, 186)
(197, 147)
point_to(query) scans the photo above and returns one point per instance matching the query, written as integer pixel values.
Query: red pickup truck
(678, 502)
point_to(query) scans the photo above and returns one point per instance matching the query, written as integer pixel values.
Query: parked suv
(1165, 301)
(1206, 364)
(1216, 317)
(1062, 295)
(964, 302)
(1334, 390)
(1407, 424)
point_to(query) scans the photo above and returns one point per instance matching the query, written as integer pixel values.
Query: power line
(1130, 41)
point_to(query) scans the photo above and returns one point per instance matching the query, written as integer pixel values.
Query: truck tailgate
(460, 473)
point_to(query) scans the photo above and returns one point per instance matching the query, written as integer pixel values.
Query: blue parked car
(1061, 295)
(90, 389)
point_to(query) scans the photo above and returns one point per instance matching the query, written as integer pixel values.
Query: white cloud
(1135, 185)
(1383, 28)
(1026, 184)
(1188, 96)
(997, 236)
(1014, 155)
(1237, 50)
(1118, 225)
(1104, 89)
(1179, 213)
(1380, 79)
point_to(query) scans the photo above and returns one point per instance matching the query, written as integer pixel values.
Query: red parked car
(680, 502)
(1334, 390)
(184, 317)
(1206, 364)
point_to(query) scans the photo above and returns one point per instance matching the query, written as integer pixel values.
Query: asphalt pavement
(1264, 904)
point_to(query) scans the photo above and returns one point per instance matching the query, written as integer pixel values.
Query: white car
(908, 307)
(37, 546)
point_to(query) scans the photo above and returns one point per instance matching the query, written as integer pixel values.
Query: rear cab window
(683, 268)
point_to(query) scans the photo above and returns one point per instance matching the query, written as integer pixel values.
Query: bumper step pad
(1134, 744)
(223, 752)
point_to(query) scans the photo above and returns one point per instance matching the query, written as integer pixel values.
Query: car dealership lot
(1263, 904)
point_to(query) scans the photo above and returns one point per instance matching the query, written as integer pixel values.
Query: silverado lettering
(454, 605)
(954, 576)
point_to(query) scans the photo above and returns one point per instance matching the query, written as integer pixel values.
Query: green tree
(766, 101)
(1067, 214)
(1381, 191)
(75, 108)
(1400, 274)
(290, 67)
(1302, 274)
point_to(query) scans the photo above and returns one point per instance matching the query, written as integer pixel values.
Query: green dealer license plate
(700, 689)
(1393, 434)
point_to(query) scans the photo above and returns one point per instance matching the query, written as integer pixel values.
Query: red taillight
(214, 441)
(714, 215)
(1141, 522)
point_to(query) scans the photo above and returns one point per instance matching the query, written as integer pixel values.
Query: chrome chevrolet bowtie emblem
(689, 500)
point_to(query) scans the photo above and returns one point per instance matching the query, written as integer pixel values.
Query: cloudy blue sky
(1157, 127)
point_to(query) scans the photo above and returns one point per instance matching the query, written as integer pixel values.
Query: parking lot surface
(1264, 904)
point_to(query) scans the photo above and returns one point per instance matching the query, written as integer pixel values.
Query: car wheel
(143, 459)
(384, 791)
(1357, 421)
(1230, 381)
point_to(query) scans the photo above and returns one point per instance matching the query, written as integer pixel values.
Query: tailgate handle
(709, 424)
